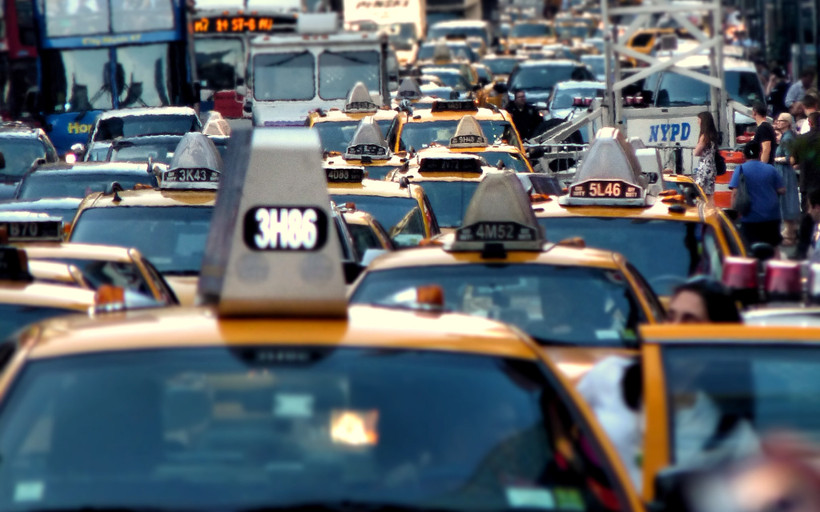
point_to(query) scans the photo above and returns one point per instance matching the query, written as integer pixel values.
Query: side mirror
(247, 107)
(762, 251)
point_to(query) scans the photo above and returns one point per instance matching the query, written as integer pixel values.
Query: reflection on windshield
(284, 76)
(339, 72)
(545, 77)
(158, 152)
(686, 251)
(740, 393)
(419, 135)
(253, 434)
(66, 18)
(336, 136)
(172, 238)
(38, 185)
(146, 79)
(501, 66)
(141, 15)
(579, 306)
(449, 200)
(219, 62)
(20, 154)
(400, 216)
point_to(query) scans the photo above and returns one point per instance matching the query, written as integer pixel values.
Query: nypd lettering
(289, 228)
(670, 132)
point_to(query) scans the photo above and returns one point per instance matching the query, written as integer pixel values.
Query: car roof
(376, 188)
(150, 197)
(75, 250)
(46, 295)
(88, 167)
(549, 63)
(660, 210)
(365, 326)
(149, 111)
(580, 84)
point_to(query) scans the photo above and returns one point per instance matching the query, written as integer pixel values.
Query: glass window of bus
(141, 15)
(146, 75)
(66, 18)
(284, 76)
(219, 61)
(76, 80)
(339, 72)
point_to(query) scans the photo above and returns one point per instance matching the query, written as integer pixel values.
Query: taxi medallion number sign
(191, 176)
(367, 149)
(32, 230)
(611, 189)
(345, 175)
(495, 232)
(468, 139)
(285, 228)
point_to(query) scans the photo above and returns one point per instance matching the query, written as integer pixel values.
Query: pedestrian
(798, 112)
(776, 91)
(809, 102)
(813, 213)
(799, 87)
(764, 134)
(706, 148)
(806, 156)
(524, 116)
(763, 184)
(790, 201)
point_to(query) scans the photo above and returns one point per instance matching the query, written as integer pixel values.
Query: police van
(290, 75)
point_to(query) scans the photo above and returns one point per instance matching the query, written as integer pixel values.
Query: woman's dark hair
(720, 306)
(752, 150)
(707, 128)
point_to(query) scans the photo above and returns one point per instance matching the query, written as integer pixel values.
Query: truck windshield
(219, 61)
(284, 76)
(339, 72)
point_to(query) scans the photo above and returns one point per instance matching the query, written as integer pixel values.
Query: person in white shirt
(799, 87)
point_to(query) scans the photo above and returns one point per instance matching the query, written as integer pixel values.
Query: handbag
(742, 202)
(720, 163)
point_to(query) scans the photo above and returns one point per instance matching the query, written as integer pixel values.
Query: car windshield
(679, 90)
(419, 135)
(400, 216)
(449, 200)
(16, 316)
(581, 306)
(564, 97)
(501, 66)
(545, 77)
(739, 394)
(20, 154)
(689, 247)
(158, 152)
(531, 30)
(274, 427)
(339, 71)
(219, 62)
(452, 79)
(336, 135)
(172, 238)
(284, 76)
(38, 185)
(153, 124)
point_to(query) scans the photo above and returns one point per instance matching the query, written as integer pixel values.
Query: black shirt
(765, 132)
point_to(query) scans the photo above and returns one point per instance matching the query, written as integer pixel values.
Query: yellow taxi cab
(274, 394)
(168, 225)
(579, 304)
(88, 266)
(402, 208)
(470, 138)
(529, 35)
(743, 383)
(683, 185)
(367, 233)
(611, 205)
(424, 126)
(449, 181)
(368, 148)
(336, 127)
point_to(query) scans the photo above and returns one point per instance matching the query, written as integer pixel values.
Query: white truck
(291, 75)
(404, 20)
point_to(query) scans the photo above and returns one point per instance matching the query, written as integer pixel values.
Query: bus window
(141, 15)
(144, 66)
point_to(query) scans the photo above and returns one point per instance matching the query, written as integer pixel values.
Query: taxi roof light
(740, 276)
(782, 282)
(409, 90)
(196, 165)
(454, 106)
(499, 218)
(468, 134)
(609, 175)
(368, 141)
(272, 249)
(360, 101)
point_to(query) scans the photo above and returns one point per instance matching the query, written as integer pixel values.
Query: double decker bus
(222, 32)
(98, 55)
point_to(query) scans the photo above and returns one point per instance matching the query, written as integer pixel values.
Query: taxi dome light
(272, 249)
(360, 101)
(408, 90)
(499, 218)
(196, 165)
(468, 134)
(741, 278)
(782, 281)
(368, 141)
